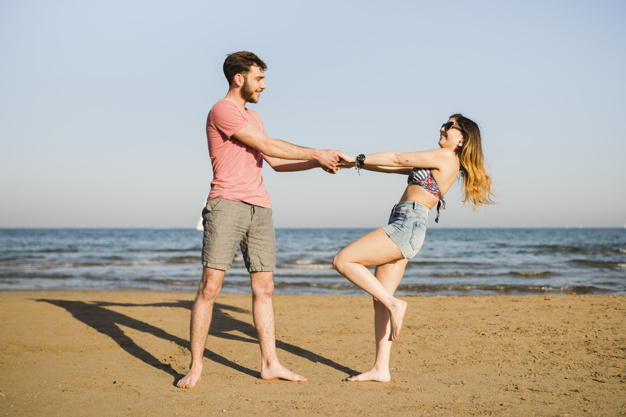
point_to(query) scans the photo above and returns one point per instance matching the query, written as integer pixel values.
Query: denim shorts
(407, 227)
(230, 224)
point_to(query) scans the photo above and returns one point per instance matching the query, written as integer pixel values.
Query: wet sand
(95, 353)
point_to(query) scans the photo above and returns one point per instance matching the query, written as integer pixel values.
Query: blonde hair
(476, 182)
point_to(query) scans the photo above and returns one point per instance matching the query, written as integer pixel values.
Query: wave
(329, 286)
(594, 264)
(459, 264)
(172, 282)
(531, 274)
(183, 260)
(287, 275)
(458, 289)
(592, 249)
(449, 274)
(559, 248)
(18, 258)
(27, 275)
(176, 260)
(502, 289)
(48, 250)
(192, 249)
(305, 264)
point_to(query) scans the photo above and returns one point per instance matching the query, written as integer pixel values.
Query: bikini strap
(441, 205)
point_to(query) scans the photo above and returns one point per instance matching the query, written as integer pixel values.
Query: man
(238, 210)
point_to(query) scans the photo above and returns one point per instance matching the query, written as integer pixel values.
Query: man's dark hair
(240, 63)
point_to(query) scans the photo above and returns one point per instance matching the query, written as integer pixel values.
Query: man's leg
(201, 316)
(263, 314)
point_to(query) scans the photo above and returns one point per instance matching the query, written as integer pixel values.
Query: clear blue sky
(103, 106)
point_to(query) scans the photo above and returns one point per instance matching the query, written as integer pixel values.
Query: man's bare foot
(191, 379)
(279, 371)
(396, 316)
(373, 375)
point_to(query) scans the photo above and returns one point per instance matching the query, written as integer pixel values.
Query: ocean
(451, 262)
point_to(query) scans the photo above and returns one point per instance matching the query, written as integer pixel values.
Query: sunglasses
(449, 125)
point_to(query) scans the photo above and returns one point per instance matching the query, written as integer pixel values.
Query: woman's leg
(389, 276)
(375, 248)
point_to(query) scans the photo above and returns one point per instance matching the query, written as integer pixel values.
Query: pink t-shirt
(236, 166)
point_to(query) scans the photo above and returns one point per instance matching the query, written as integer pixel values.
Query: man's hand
(328, 160)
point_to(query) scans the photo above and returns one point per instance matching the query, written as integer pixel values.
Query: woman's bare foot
(373, 375)
(396, 313)
(279, 371)
(191, 379)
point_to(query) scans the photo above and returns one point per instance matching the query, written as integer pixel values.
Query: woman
(431, 174)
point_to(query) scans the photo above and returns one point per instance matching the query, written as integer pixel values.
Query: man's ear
(239, 80)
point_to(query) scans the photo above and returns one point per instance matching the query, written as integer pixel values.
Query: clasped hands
(333, 160)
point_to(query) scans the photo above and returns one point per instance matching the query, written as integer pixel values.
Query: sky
(103, 106)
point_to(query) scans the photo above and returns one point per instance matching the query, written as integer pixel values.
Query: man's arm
(291, 165)
(277, 148)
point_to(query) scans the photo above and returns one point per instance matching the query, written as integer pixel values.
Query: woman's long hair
(476, 181)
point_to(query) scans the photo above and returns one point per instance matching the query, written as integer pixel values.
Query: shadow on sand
(108, 322)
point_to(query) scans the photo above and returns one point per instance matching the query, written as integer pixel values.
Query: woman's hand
(345, 161)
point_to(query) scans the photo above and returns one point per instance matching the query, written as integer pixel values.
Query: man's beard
(247, 93)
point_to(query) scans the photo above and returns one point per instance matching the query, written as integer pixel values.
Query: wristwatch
(360, 160)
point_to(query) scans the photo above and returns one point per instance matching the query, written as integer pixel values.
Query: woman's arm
(434, 158)
(349, 162)
(388, 170)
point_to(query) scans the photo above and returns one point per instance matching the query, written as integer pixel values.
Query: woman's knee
(339, 262)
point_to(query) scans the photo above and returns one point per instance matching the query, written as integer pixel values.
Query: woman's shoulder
(444, 155)
(449, 153)
(447, 161)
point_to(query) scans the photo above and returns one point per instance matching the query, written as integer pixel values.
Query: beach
(119, 353)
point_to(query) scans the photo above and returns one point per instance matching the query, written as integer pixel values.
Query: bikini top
(424, 178)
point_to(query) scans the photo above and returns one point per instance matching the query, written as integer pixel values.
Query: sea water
(451, 262)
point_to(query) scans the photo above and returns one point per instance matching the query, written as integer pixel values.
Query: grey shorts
(407, 227)
(230, 224)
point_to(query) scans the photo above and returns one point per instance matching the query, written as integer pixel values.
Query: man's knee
(209, 291)
(211, 284)
(262, 284)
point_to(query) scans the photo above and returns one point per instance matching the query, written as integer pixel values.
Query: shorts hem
(394, 242)
(221, 267)
(261, 270)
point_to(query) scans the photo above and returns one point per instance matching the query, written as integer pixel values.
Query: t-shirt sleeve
(227, 118)
(258, 123)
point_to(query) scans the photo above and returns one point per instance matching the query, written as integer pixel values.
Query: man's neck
(234, 95)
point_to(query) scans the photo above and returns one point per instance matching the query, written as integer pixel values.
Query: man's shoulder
(223, 105)
(224, 111)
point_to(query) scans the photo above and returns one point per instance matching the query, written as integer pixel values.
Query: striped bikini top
(424, 178)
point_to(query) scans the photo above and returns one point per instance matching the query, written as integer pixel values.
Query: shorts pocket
(418, 234)
(212, 204)
(209, 207)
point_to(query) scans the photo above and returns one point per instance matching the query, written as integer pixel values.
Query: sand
(94, 353)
